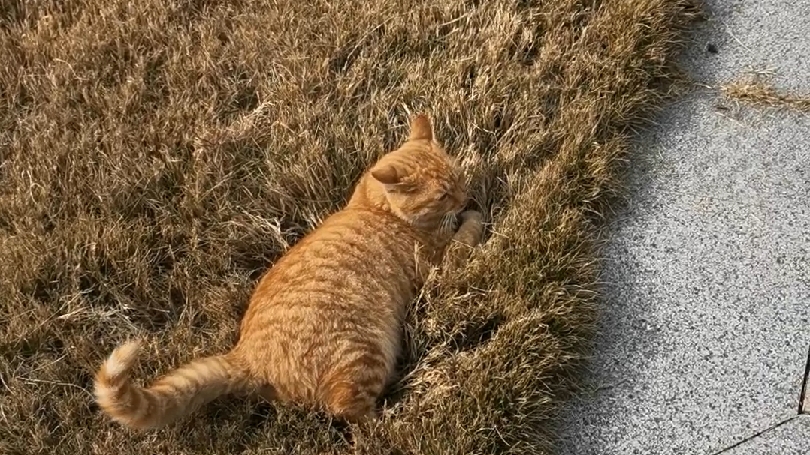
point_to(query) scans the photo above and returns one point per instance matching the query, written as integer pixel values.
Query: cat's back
(337, 293)
(350, 242)
(356, 255)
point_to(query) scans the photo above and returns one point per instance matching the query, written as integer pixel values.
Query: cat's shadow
(282, 425)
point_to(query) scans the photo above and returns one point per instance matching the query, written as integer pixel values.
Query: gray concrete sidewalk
(704, 330)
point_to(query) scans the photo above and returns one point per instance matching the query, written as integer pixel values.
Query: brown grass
(157, 156)
(758, 92)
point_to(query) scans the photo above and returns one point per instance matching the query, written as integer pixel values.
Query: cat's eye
(444, 196)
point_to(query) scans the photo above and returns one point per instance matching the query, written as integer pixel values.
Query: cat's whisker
(448, 222)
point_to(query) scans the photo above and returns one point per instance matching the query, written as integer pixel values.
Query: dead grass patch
(758, 92)
(158, 155)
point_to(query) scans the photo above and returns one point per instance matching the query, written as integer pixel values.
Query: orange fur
(323, 326)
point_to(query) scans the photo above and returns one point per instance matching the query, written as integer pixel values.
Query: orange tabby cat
(323, 326)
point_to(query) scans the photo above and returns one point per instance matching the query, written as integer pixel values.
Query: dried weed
(759, 92)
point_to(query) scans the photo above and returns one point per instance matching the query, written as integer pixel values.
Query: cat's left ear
(387, 174)
(392, 177)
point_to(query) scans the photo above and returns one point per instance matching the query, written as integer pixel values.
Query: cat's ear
(387, 174)
(393, 178)
(421, 128)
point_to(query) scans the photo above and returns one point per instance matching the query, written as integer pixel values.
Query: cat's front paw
(471, 229)
(473, 217)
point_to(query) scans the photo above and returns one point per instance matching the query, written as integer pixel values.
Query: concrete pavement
(705, 325)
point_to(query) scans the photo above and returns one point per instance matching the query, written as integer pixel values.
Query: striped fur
(172, 396)
(323, 326)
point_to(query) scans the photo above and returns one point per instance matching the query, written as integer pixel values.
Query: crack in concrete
(803, 398)
(756, 435)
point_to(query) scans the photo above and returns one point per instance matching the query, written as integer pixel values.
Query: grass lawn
(157, 156)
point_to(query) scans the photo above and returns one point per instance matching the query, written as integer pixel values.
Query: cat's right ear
(421, 128)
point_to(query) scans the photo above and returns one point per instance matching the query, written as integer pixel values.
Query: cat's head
(420, 182)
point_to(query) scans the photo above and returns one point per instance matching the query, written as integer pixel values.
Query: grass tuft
(157, 156)
(755, 91)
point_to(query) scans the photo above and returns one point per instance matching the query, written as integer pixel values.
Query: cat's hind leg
(268, 393)
(352, 402)
(350, 392)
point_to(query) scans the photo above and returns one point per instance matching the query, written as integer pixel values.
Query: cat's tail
(174, 395)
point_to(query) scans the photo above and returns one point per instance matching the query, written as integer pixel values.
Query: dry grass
(158, 155)
(758, 92)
